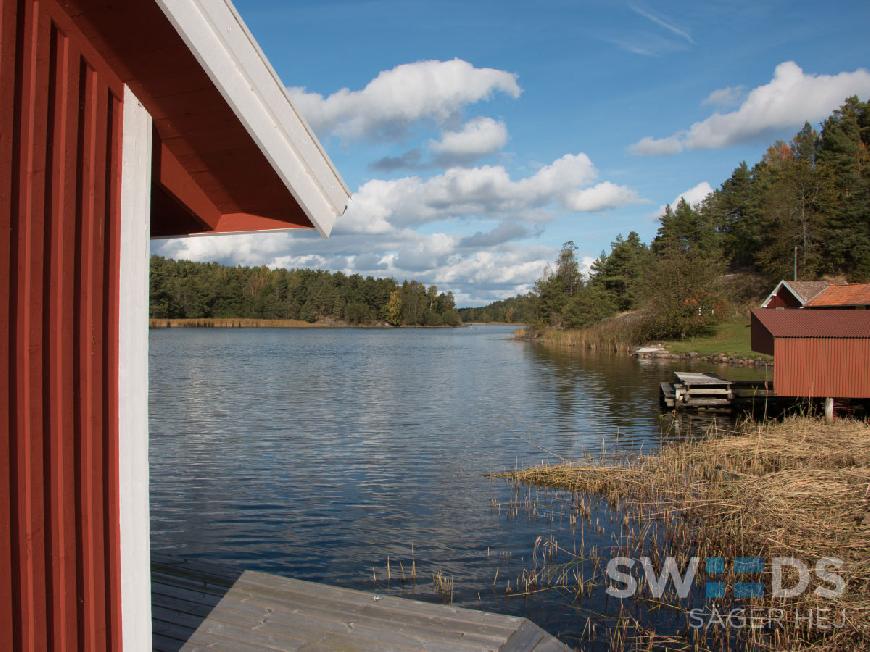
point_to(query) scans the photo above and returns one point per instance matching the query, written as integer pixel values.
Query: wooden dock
(690, 390)
(183, 594)
(196, 607)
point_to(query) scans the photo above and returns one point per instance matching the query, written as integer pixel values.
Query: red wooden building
(794, 294)
(816, 353)
(119, 120)
(819, 295)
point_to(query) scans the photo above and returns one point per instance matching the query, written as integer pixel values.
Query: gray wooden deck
(266, 612)
(198, 607)
(183, 593)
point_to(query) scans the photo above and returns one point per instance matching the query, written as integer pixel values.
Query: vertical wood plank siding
(822, 367)
(60, 118)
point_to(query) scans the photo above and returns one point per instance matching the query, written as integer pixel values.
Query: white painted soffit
(219, 39)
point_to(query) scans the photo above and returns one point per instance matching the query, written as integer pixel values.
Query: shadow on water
(318, 454)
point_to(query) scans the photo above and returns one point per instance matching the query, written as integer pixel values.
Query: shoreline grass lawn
(731, 337)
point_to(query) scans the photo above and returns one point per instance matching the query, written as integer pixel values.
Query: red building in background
(819, 336)
(819, 295)
(118, 121)
(794, 294)
(817, 353)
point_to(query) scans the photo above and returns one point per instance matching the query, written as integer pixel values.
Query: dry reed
(799, 488)
(619, 334)
(443, 585)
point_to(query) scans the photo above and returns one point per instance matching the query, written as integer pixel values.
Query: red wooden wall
(783, 299)
(822, 367)
(60, 136)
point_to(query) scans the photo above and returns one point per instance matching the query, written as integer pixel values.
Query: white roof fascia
(221, 42)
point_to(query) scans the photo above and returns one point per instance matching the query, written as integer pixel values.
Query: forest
(804, 208)
(185, 289)
(515, 310)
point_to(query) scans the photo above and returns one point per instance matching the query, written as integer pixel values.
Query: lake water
(318, 453)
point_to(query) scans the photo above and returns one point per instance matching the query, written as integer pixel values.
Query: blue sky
(478, 136)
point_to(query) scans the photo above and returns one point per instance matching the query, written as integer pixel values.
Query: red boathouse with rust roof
(817, 353)
(118, 121)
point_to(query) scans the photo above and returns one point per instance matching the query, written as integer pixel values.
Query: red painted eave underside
(220, 181)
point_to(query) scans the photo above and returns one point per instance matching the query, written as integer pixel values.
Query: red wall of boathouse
(60, 143)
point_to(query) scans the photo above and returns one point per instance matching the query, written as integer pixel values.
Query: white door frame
(133, 478)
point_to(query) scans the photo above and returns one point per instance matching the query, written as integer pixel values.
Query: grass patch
(730, 337)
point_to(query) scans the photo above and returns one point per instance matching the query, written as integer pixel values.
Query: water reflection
(318, 453)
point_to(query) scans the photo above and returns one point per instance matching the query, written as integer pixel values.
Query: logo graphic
(715, 588)
(748, 570)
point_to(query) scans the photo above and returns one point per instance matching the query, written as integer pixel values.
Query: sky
(477, 137)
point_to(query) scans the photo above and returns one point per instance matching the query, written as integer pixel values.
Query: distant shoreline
(518, 324)
(246, 322)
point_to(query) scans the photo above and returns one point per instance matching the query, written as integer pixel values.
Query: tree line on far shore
(807, 202)
(184, 289)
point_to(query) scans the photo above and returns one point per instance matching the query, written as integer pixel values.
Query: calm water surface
(317, 453)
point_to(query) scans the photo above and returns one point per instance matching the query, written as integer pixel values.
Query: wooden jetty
(198, 607)
(690, 390)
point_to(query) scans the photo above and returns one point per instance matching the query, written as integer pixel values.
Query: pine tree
(733, 213)
(685, 229)
(844, 154)
(619, 272)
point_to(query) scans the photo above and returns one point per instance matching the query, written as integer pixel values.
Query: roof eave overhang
(224, 47)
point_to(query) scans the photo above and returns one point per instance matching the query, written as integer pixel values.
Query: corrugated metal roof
(815, 323)
(806, 290)
(854, 294)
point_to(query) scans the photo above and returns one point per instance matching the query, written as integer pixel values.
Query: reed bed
(442, 583)
(618, 334)
(798, 488)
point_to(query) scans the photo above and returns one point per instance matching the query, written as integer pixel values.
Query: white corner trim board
(224, 47)
(133, 474)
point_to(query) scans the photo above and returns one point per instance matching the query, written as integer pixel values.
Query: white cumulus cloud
(397, 97)
(480, 192)
(789, 99)
(601, 196)
(477, 137)
(693, 196)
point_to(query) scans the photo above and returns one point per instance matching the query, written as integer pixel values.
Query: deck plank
(183, 593)
(268, 612)
(294, 592)
(691, 379)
